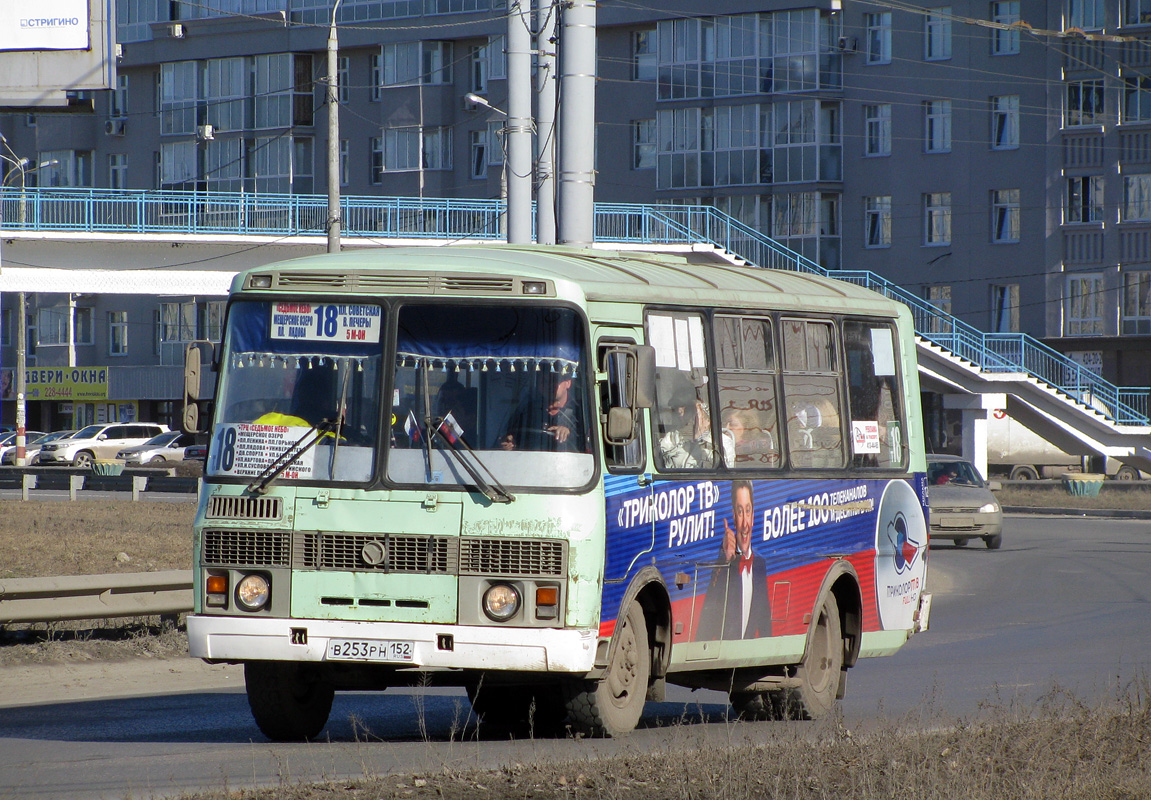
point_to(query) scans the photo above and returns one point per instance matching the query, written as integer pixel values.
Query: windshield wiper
(494, 491)
(286, 458)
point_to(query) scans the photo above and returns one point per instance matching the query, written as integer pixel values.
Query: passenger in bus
(550, 418)
(685, 427)
(737, 605)
(751, 442)
(313, 401)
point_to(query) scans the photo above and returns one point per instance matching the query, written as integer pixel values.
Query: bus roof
(600, 275)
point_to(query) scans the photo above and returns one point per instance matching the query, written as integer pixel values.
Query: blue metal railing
(135, 211)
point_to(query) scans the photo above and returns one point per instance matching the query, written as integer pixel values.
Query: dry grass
(1062, 749)
(40, 539)
(1112, 496)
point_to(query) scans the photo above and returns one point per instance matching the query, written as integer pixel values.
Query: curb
(1114, 513)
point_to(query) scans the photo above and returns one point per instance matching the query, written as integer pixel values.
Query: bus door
(630, 526)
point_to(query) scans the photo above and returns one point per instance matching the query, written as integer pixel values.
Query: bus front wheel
(290, 702)
(613, 704)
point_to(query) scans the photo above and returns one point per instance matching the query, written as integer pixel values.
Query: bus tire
(520, 710)
(1023, 472)
(289, 701)
(613, 704)
(818, 675)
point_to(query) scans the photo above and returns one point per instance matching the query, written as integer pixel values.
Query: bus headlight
(252, 592)
(501, 602)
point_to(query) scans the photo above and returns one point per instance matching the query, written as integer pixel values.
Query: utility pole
(577, 123)
(519, 127)
(546, 11)
(333, 136)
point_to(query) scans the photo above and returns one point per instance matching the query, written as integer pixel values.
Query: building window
(377, 77)
(1086, 15)
(1005, 42)
(376, 161)
(644, 65)
(118, 103)
(344, 79)
(878, 37)
(877, 130)
(117, 171)
(1004, 215)
(479, 154)
(1084, 103)
(64, 168)
(82, 325)
(1136, 198)
(643, 144)
(1137, 302)
(344, 153)
(937, 34)
(1137, 12)
(877, 221)
(937, 126)
(496, 142)
(1136, 99)
(414, 63)
(1084, 305)
(937, 219)
(6, 327)
(52, 325)
(1005, 308)
(1005, 122)
(1084, 199)
(488, 62)
(117, 333)
(409, 149)
(939, 297)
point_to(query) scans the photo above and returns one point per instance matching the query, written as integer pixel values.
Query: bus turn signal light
(216, 590)
(547, 602)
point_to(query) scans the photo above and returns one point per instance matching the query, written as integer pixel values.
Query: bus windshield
(291, 370)
(490, 393)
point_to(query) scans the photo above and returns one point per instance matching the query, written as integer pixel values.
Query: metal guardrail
(76, 597)
(155, 211)
(75, 482)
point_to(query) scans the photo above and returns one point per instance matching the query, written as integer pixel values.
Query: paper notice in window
(865, 436)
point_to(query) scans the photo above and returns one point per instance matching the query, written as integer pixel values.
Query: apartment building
(994, 157)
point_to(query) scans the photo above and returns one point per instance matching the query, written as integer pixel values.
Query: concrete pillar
(975, 408)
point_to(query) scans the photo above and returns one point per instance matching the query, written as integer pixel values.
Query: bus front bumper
(218, 638)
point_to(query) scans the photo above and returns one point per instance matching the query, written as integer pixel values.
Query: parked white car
(32, 450)
(167, 446)
(8, 443)
(100, 441)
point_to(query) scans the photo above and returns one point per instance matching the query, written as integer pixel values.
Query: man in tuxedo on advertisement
(737, 605)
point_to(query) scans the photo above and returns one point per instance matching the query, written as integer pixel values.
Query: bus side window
(873, 396)
(746, 372)
(811, 393)
(682, 414)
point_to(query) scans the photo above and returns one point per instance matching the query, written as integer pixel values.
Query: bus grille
(375, 552)
(246, 548)
(382, 552)
(259, 508)
(512, 557)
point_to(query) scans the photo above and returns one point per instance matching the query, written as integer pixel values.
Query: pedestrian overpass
(105, 240)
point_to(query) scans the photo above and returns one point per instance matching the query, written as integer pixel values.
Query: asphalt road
(1063, 604)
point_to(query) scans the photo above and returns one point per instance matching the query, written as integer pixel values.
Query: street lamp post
(20, 164)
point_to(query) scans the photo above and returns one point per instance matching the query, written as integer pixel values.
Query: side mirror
(620, 425)
(193, 384)
(644, 376)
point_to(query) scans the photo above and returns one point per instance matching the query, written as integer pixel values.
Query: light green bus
(558, 478)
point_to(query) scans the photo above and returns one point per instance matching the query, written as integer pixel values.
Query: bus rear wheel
(818, 674)
(612, 705)
(290, 702)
